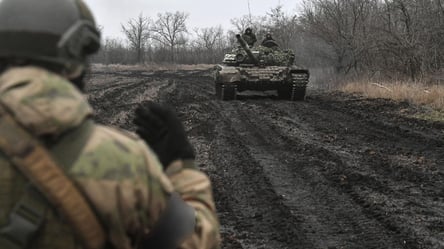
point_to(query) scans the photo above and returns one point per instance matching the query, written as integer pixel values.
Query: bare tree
(284, 28)
(115, 51)
(210, 43)
(345, 26)
(137, 33)
(402, 36)
(209, 37)
(248, 21)
(170, 29)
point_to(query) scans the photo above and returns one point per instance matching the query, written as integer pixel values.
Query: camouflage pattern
(117, 172)
(195, 189)
(269, 41)
(260, 68)
(41, 102)
(250, 39)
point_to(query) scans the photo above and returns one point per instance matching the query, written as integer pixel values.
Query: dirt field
(335, 171)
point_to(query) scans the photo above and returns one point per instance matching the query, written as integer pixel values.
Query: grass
(433, 115)
(431, 96)
(153, 67)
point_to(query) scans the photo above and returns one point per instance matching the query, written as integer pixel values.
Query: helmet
(60, 32)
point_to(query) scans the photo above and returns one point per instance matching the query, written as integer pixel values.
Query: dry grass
(416, 93)
(152, 67)
(431, 96)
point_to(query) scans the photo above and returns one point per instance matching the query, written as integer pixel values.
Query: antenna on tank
(249, 11)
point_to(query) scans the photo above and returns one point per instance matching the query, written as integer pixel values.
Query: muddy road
(335, 171)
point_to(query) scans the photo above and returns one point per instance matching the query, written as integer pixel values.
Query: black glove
(163, 132)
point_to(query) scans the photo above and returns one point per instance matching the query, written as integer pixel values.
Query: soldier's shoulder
(117, 133)
(22, 72)
(43, 101)
(35, 75)
(114, 138)
(114, 154)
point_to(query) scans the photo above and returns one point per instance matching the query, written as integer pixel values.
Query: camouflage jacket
(116, 171)
(250, 39)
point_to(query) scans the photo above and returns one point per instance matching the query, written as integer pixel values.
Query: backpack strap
(25, 220)
(36, 163)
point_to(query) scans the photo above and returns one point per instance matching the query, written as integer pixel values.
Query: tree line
(400, 37)
(164, 40)
(168, 39)
(389, 37)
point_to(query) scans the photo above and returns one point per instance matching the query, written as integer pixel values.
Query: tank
(260, 68)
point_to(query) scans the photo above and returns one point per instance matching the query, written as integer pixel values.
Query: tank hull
(260, 68)
(289, 82)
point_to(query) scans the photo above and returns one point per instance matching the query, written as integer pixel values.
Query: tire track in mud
(383, 185)
(386, 231)
(404, 195)
(251, 212)
(114, 103)
(331, 172)
(324, 213)
(312, 205)
(270, 170)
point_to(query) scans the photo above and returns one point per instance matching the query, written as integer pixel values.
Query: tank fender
(295, 69)
(228, 75)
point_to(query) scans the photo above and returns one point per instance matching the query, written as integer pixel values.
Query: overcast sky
(203, 13)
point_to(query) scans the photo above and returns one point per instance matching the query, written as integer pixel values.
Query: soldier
(269, 42)
(249, 37)
(69, 183)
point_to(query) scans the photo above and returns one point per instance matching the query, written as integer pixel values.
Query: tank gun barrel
(244, 45)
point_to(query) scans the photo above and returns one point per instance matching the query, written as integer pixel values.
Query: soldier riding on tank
(269, 42)
(249, 37)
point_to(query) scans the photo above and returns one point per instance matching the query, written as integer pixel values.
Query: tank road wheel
(226, 91)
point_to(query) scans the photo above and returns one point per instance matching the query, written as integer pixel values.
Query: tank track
(299, 83)
(295, 89)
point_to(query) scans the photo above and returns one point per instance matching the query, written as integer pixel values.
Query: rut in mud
(335, 171)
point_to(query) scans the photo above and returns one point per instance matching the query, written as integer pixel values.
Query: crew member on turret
(249, 37)
(269, 42)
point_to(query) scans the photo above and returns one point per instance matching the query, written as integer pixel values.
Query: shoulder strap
(37, 164)
(25, 220)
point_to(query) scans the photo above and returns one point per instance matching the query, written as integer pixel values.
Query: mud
(335, 171)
